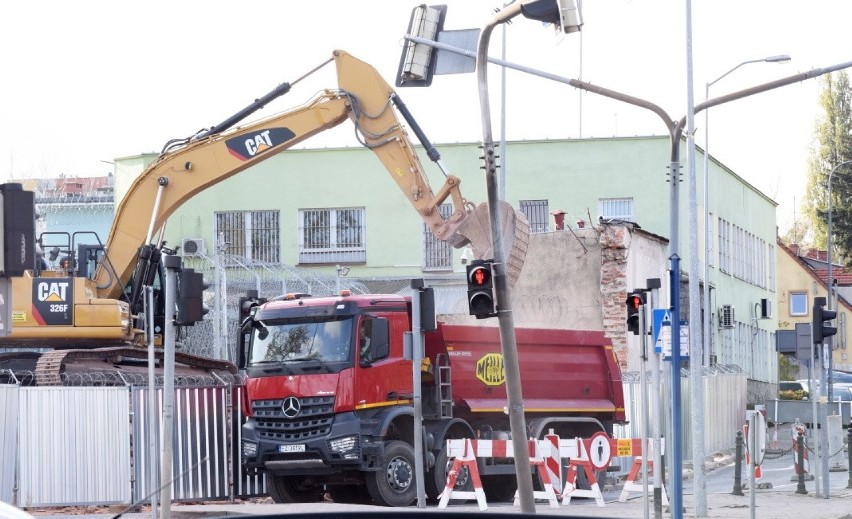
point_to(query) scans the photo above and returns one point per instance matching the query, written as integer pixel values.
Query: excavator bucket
(515, 234)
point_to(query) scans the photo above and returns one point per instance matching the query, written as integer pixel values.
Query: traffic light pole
(172, 265)
(508, 343)
(820, 332)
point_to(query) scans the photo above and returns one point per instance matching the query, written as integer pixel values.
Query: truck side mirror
(242, 344)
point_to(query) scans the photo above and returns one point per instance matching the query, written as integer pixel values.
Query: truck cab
(328, 390)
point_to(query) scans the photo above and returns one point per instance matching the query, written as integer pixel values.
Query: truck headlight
(249, 449)
(346, 446)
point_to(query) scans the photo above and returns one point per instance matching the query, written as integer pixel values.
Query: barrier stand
(800, 467)
(630, 484)
(571, 489)
(468, 460)
(537, 459)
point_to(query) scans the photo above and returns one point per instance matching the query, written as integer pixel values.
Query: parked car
(8, 511)
(792, 385)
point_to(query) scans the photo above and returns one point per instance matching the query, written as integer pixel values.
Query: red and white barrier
(630, 485)
(590, 455)
(465, 457)
(588, 466)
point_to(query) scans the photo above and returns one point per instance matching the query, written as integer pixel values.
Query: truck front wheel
(289, 489)
(393, 484)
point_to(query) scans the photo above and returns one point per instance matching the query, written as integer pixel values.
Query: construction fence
(92, 445)
(65, 446)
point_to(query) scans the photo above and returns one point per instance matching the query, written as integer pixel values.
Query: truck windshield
(297, 340)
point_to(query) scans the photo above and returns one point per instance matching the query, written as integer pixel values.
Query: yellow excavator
(90, 314)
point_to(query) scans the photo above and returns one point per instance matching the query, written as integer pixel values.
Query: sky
(90, 81)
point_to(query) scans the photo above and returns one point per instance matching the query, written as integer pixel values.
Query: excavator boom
(362, 96)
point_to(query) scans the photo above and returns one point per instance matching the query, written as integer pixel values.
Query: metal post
(738, 466)
(153, 469)
(677, 434)
(643, 348)
(416, 358)
(849, 451)
(655, 393)
(752, 449)
(509, 347)
(800, 464)
(172, 265)
(695, 346)
(822, 429)
(708, 224)
(814, 393)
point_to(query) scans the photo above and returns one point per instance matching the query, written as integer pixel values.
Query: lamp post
(782, 58)
(830, 280)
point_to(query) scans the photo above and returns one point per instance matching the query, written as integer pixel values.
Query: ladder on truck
(438, 400)
(444, 385)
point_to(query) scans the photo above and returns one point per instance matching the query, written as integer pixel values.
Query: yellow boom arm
(362, 96)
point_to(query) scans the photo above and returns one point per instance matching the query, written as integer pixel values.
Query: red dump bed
(563, 372)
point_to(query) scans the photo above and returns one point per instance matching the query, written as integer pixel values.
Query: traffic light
(635, 302)
(480, 289)
(191, 307)
(17, 230)
(248, 302)
(819, 328)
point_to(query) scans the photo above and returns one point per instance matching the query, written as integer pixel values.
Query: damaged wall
(578, 279)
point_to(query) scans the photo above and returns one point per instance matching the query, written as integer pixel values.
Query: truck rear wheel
(290, 489)
(393, 484)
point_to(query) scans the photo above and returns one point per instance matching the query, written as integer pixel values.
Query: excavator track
(51, 365)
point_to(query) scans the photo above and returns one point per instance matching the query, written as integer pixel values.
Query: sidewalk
(769, 505)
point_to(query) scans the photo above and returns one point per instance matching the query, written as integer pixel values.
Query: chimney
(559, 218)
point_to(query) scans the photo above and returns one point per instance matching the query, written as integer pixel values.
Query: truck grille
(313, 420)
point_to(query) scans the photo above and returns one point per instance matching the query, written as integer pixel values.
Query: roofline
(798, 259)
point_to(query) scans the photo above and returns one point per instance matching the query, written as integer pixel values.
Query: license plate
(292, 448)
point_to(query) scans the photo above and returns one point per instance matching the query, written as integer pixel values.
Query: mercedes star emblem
(291, 407)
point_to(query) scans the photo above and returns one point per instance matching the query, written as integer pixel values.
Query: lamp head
(781, 58)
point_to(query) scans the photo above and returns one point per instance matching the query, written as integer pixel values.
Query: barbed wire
(717, 369)
(115, 378)
(216, 339)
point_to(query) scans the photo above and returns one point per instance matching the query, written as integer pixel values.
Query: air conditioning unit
(726, 316)
(193, 247)
(765, 309)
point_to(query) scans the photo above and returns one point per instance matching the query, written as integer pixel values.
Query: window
(708, 254)
(332, 235)
(537, 214)
(437, 254)
(798, 303)
(616, 209)
(255, 235)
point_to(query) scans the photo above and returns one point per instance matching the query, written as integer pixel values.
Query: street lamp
(781, 58)
(830, 288)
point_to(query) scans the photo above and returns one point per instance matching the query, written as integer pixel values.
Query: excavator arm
(215, 155)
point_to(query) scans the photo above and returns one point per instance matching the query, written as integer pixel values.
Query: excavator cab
(69, 254)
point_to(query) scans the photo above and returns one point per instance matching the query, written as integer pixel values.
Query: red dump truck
(328, 396)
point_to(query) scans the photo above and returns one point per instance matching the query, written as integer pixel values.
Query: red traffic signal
(480, 289)
(635, 301)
